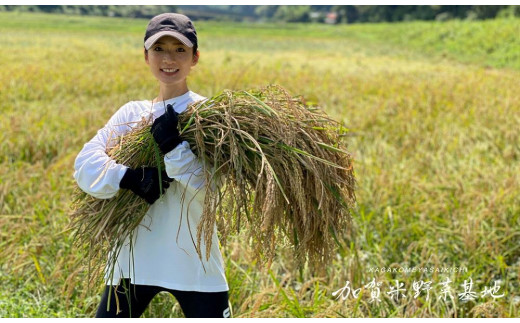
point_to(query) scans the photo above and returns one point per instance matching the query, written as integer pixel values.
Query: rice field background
(433, 110)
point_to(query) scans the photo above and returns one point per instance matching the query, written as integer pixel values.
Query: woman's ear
(195, 58)
(146, 56)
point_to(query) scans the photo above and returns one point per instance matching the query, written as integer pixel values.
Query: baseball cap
(170, 24)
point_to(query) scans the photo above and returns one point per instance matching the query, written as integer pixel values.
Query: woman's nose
(168, 57)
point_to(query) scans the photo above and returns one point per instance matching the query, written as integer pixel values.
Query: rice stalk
(267, 157)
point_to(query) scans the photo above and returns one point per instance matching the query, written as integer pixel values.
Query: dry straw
(287, 177)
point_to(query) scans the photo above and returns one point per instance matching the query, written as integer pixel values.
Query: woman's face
(170, 61)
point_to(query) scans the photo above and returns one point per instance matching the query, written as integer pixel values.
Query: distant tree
(24, 8)
(516, 10)
(375, 13)
(486, 12)
(50, 8)
(459, 12)
(423, 13)
(293, 13)
(346, 14)
(266, 12)
(352, 14)
(509, 12)
(243, 10)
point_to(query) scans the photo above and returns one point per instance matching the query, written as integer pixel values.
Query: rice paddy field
(433, 110)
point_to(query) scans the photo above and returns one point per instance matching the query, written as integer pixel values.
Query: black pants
(193, 304)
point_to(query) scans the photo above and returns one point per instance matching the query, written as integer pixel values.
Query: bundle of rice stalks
(285, 173)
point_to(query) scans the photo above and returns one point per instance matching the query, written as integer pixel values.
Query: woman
(161, 256)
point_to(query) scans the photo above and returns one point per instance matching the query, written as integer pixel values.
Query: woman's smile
(170, 71)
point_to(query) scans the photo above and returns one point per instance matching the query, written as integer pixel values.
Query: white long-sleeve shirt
(159, 258)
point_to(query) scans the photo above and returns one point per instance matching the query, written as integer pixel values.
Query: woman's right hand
(145, 182)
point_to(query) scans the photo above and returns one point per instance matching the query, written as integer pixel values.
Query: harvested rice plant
(432, 128)
(272, 159)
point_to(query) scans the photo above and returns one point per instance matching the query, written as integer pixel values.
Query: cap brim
(150, 41)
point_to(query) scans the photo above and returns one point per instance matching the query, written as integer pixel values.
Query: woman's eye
(157, 49)
(180, 49)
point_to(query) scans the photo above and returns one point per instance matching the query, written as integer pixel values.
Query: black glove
(165, 132)
(145, 182)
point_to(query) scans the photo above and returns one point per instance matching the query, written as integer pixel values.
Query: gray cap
(170, 24)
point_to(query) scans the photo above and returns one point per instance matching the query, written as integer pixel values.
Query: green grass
(491, 43)
(434, 134)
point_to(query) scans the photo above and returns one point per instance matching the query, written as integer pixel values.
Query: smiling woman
(150, 259)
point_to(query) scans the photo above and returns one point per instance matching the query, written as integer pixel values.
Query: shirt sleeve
(95, 172)
(185, 167)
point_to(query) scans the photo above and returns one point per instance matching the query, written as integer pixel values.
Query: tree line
(95, 10)
(287, 13)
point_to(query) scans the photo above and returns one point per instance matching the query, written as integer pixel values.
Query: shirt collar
(176, 102)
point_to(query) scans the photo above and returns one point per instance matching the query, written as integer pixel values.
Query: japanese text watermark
(398, 291)
(417, 269)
